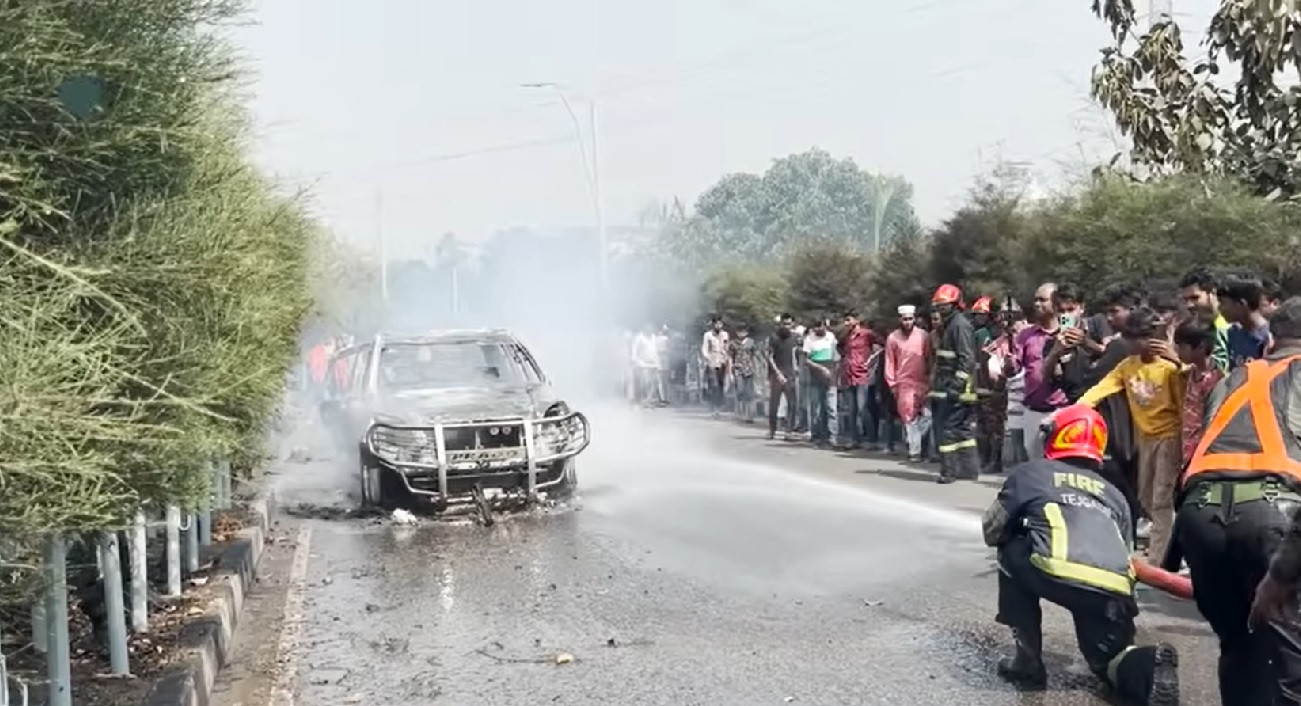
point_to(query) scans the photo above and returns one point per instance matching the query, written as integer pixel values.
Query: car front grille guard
(412, 447)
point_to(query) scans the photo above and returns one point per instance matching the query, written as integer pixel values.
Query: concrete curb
(206, 640)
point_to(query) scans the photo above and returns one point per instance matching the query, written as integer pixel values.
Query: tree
(901, 274)
(974, 247)
(745, 294)
(801, 197)
(1179, 118)
(827, 279)
(1115, 230)
(450, 252)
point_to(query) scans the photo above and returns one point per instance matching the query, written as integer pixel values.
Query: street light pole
(591, 170)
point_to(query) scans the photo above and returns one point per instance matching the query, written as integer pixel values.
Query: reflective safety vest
(1248, 437)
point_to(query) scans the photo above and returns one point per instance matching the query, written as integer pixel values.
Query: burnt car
(438, 419)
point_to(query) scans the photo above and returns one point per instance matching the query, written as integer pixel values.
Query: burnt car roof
(501, 336)
(494, 336)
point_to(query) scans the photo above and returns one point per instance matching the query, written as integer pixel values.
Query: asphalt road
(705, 565)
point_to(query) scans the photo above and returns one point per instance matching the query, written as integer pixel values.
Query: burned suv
(440, 418)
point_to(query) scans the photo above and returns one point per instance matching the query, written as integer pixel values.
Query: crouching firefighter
(1063, 535)
(953, 388)
(1237, 522)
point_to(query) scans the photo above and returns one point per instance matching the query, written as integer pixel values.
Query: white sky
(359, 98)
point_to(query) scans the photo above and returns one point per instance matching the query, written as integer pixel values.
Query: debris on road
(872, 604)
(404, 517)
(564, 658)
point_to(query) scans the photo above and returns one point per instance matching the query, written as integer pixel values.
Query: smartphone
(1067, 321)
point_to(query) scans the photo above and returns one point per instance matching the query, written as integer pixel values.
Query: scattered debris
(404, 517)
(611, 643)
(872, 604)
(564, 658)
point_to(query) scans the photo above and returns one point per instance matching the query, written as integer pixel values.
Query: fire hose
(1177, 585)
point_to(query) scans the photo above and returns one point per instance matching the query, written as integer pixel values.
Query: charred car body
(440, 418)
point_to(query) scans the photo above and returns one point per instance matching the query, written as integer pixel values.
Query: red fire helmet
(1077, 431)
(947, 294)
(983, 305)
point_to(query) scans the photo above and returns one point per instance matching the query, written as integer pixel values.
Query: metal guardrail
(186, 534)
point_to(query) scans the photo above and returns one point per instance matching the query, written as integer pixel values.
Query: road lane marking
(282, 690)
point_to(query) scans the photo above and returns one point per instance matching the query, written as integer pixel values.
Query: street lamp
(591, 168)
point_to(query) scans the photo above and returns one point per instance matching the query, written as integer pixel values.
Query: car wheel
(372, 487)
(567, 488)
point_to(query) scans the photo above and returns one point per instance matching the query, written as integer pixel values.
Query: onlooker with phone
(1152, 380)
(1030, 348)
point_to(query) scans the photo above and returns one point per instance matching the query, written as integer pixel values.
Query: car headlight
(561, 437)
(402, 445)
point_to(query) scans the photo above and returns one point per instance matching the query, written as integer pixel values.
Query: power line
(493, 149)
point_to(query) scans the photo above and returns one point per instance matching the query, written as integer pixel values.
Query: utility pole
(591, 170)
(1159, 11)
(379, 245)
(601, 241)
(456, 291)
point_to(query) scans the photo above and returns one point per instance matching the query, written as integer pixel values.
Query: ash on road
(705, 566)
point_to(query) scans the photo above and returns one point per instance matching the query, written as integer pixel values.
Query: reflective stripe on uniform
(1113, 667)
(937, 394)
(956, 446)
(941, 353)
(1059, 565)
(961, 375)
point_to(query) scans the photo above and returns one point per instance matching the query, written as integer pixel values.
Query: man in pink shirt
(1031, 346)
(907, 351)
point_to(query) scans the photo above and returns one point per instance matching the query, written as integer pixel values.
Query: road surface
(706, 566)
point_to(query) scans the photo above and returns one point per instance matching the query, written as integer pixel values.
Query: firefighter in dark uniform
(1063, 535)
(991, 390)
(953, 387)
(1237, 525)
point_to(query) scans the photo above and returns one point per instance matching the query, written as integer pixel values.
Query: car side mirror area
(557, 409)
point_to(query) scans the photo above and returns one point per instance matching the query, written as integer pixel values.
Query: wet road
(705, 566)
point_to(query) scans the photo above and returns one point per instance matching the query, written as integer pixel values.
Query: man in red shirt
(859, 352)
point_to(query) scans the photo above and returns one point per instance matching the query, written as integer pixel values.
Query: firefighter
(991, 390)
(1237, 509)
(954, 388)
(1063, 535)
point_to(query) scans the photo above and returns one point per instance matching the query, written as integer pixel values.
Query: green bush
(1107, 230)
(152, 283)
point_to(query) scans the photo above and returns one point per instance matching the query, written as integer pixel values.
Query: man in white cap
(906, 374)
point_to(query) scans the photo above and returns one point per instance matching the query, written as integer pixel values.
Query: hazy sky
(420, 99)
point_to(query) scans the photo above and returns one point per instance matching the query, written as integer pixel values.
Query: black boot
(1148, 676)
(996, 456)
(946, 468)
(1026, 667)
(966, 463)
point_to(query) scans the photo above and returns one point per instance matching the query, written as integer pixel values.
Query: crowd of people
(1170, 412)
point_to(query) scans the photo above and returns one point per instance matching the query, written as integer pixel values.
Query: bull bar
(424, 447)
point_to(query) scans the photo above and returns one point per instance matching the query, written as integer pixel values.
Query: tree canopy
(1181, 115)
(811, 195)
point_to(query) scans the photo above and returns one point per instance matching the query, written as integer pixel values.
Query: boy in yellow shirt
(1152, 380)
